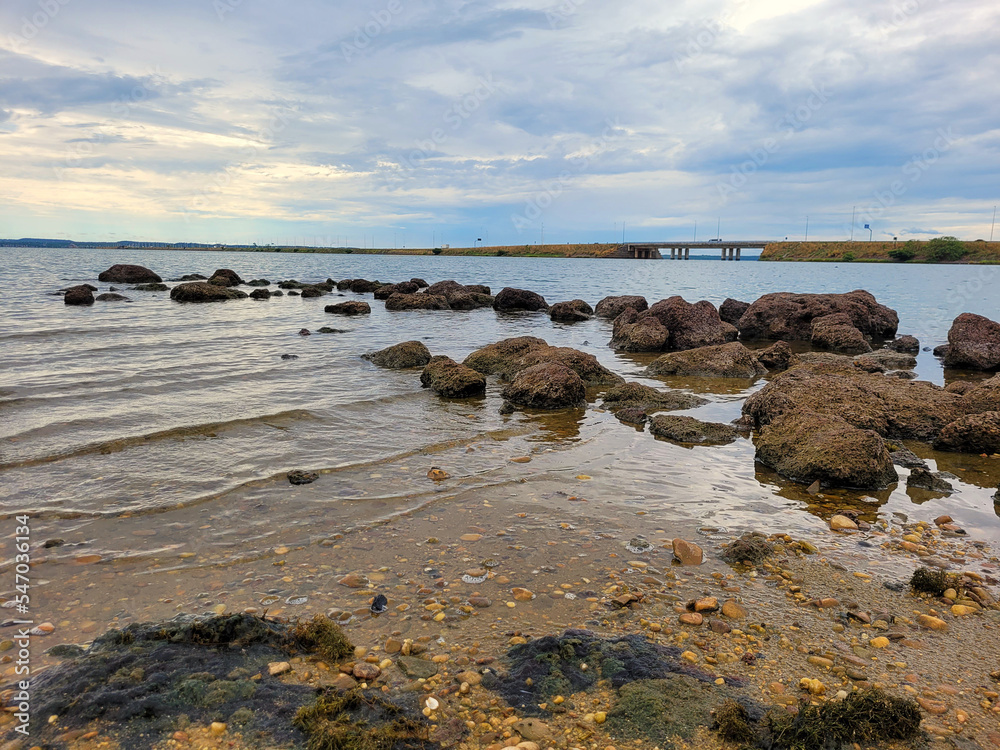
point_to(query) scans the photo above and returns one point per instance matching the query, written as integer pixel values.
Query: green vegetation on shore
(937, 250)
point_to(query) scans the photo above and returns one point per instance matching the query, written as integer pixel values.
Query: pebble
(707, 604)
(842, 523)
(353, 581)
(880, 642)
(733, 610)
(688, 553)
(691, 618)
(932, 623)
(218, 728)
(276, 668)
(365, 671)
(522, 595)
(820, 661)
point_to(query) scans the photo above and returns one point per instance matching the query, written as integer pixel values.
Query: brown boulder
(612, 307)
(836, 333)
(405, 287)
(447, 378)
(548, 385)
(905, 345)
(973, 433)
(313, 290)
(690, 324)
(469, 301)
(984, 396)
(79, 295)
(681, 429)
(363, 286)
(886, 359)
(788, 317)
(260, 294)
(777, 357)
(573, 311)
(351, 307)
(499, 358)
(592, 372)
(635, 334)
(973, 343)
(123, 273)
(112, 297)
(636, 395)
(724, 361)
(444, 288)
(397, 302)
(225, 277)
(732, 310)
(510, 299)
(809, 447)
(401, 356)
(419, 282)
(202, 291)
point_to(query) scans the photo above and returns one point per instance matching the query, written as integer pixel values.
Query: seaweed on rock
(357, 720)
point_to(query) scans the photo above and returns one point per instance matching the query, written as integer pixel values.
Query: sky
(415, 123)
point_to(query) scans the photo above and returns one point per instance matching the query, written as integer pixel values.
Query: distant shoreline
(978, 252)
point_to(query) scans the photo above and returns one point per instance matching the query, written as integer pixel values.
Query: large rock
(887, 359)
(973, 343)
(973, 433)
(983, 396)
(808, 447)
(123, 273)
(225, 277)
(637, 395)
(363, 286)
(201, 291)
(509, 357)
(690, 324)
(573, 311)
(450, 288)
(79, 295)
(778, 357)
(260, 294)
(447, 378)
(732, 310)
(788, 317)
(351, 307)
(633, 333)
(397, 302)
(313, 290)
(112, 297)
(548, 385)
(401, 356)
(500, 358)
(510, 299)
(837, 333)
(405, 287)
(905, 345)
(724, 361)
(470, 301)
(924, 479)
(682, 429)
(612, 307)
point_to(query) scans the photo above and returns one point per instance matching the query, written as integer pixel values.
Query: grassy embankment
(520, 251)
(978, 251)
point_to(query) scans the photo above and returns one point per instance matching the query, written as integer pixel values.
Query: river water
(155, 436)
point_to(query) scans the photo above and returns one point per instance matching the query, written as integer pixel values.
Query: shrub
(945, 248)
(848, 257)
(436, 251)
(902, 254)
(501, 253)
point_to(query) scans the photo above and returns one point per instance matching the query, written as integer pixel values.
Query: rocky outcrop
(79, 295)
(637, 395)
(405, 287)
(732, 310)
(973, 343)
(573, 311)
(447, 378)
(401, 356)
(419, 282)
(984, 396)
(778, 357)
(691, 325)
(973, 433)
(612, 307)
(501, 357)
(398, 302)
(723, 361)
(547, 385)
(450, 287)
(511, 300)
(634, 334)
(788, 317)
(201, 291)
(363, 286)
(682, 429)
(836, 333)
(225, 277)
(509, 357)
(904, 345)
(123, 273)
(351, 307)
(808, 447)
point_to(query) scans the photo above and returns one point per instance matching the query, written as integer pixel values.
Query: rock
(152, 287)
(905, 345)
(472, 301)
(201, 291)
(612, 307)
(637, 395)
(931, 623)
(123, 273)
(309, 292)
(351, 307)
(532, 730)
(522, 595)
(401, 356)
(510, 299)
(925, 480)
(343, 682)
(469, 677)
(806, 446)
(837, 333)
(705, 604)
(682, 429)
(252, 282)
(634, 334)
(501, 357)
(723, 361)
(405, 287)
(362, 286)
(548, 385)
(973, 343)
(78, 295)
(973, 433)
(419, 282)
(788, 317)
(416, 669)
(842, 523)
(260, 294)
(691, 325)
(276, 668)
(887, 360)
(907, 459)
(733, 610)
(225, 277)
(573, 311)
(509, 357)
(691, 618)
(688, 553)
(191, 277)
(398, 302)
(393, 646)
(984, 396)
(778, 357)
(732, 310)
(366, 672)
(112, 297)
(447, 378)
(353, 581)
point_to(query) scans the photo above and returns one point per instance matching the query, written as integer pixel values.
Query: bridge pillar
(738, 253)
(723, 253)
(673, 253)
(687, 253)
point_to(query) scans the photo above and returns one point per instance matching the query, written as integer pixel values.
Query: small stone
(393, 646)
(353, 581)
(469, 677)
(880, 642)
(820, 661)
(471, 537)
(691, 618)
(932, 707)
(344, 682)
(302, 477)
(522, 595)
(932, 623)
(720, 627)
(690, 656)
(365, 671)
(733, 610)
(480, 602)
(218, 728)
(532, 730)
(706, 604)
(276, 668)
(415, 668)
(688, 553)
(961, 609)
(600, 717)
(842, 523)
(438, 475)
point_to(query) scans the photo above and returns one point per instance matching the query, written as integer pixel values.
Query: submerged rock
(926, 480)
(260, 294)
(401, 356)
(573, 311)
(112, 297)
(907, 459)
(723, 361)
(612, 307)
(79, 295)
(973, 343)
(299, 476)
(637, 395)
(547, 385)
(405, 287)
(153, 287)
(200, 291)
(681, 429)
(422, 301)
(351, 307)
(124, 273)
(510, 300)
(447, 378)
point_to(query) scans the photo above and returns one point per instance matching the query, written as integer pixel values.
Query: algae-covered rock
(447, 378)
(401, 356)
(612, 307)
(637, 395)
(682, 429)
(201, 291)
(973, 433)
(364, 720)
(547, 385)
(731, 360)
(573, 311)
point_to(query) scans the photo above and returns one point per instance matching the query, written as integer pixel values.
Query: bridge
(682, 250)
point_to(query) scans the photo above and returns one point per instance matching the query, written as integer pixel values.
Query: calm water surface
(154, 431)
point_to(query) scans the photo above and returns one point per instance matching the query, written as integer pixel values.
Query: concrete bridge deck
(682, 250)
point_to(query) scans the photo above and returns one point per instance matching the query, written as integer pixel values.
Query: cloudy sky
(414, 122)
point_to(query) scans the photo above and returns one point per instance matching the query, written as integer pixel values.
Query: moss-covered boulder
(691, 431)
(401, 356)
(731, 360)
(448, 378)
(547, 385)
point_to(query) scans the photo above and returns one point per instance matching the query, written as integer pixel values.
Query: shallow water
(157, 435)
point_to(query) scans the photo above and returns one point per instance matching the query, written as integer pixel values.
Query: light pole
(695, 231)
(854, 213)
(994, 223)
(807, 229)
